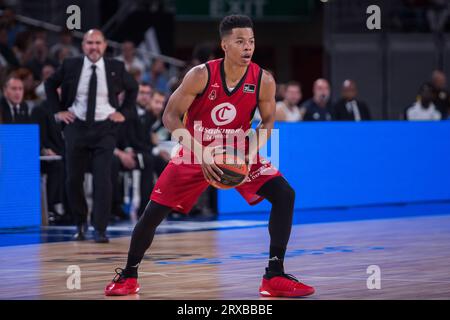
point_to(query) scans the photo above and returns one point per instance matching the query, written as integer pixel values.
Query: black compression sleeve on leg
(282, 197)
(143, 234)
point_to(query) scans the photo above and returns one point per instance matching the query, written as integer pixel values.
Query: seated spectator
(62, 55)
(52, 144)
(423, 108)
(30, 96)
(348, 108)
(279, 96)
(150, 106)
(288, 109)
(318, 108)
(157, 76)
(12, 106)
(159, 133)
(47, 71)
(7, 56)
(136, 73)
(22, 45)
(40, 33)
(129, 57)
(441, 96)
(40, 57)
(66, 43)
(8, 18)
(134, 152)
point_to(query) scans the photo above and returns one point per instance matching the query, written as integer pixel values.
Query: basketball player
(222, 94)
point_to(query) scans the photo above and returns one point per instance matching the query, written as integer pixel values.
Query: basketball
(231, 162)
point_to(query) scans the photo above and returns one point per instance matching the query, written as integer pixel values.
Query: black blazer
(136, 133)
(68, 75)
(7, 117)
(49, 130)
(340, 111)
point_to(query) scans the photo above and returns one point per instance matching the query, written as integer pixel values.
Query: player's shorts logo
(223, 114)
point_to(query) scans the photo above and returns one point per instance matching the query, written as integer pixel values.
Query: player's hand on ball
(210, 170)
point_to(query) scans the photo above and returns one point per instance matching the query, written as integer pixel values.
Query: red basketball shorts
(180, 185)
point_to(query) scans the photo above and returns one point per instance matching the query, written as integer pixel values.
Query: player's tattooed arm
(267, 110)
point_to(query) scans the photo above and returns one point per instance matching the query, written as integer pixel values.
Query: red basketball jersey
(214, 114)
(218, 111)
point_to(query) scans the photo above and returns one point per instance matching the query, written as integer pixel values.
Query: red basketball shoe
(121, 286)
(283, 285)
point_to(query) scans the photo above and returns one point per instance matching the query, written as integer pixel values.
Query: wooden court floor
(413, 255)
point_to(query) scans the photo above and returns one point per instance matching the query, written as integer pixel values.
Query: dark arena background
(361, 132)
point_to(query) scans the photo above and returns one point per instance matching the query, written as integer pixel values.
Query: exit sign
(281, 10)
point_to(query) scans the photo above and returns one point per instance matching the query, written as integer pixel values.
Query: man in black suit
(52, 144)
(318, 108)
(348, 108)
(89, 107)
(441, 96)
(12, 106)
(134, 150)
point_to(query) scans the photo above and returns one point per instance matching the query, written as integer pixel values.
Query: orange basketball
(232, 163)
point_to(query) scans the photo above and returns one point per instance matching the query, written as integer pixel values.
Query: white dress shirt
(12, 107)
(352, 107)
(135, 64)
(418, 112)
(102, 107)
(291, 114)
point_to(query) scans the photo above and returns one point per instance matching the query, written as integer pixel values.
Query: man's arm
(179, 102)
(131, 91)
(267, 109)
(51, 88)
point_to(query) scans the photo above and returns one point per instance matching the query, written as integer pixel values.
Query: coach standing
(89, 106)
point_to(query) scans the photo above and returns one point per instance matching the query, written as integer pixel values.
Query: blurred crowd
(431, 102)
(27, 60)
(420, 16)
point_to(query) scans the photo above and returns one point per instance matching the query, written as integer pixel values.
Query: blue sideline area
(340, 171)
(19, 176)
(347, 164)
